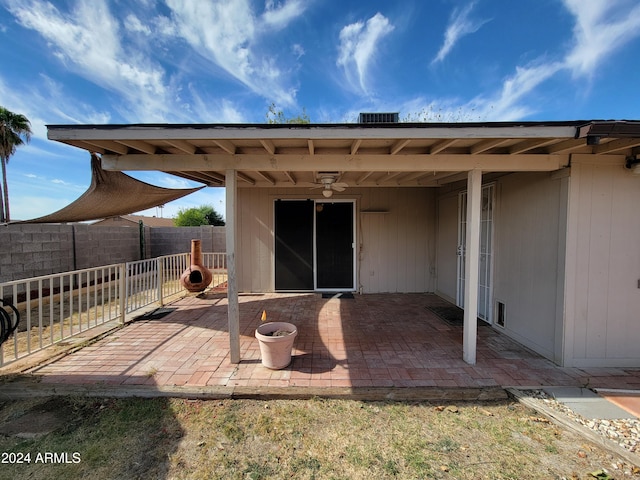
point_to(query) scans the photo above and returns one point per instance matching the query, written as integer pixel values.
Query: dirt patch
(34, 421)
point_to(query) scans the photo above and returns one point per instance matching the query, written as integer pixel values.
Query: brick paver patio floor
(382, 340)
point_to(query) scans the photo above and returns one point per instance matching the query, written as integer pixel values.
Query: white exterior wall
(396, 244)
(529, 257)
(603, 265)
(528, 253)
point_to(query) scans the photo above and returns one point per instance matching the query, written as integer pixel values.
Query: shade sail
(112, 194)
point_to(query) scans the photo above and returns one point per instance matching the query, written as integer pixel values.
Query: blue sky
(200, 61)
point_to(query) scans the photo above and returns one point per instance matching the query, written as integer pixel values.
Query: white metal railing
(217, 263)
(55, 307)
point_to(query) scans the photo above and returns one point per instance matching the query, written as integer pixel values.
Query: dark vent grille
(378, 118)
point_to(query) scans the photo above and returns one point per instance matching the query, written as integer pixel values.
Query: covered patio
(371, 340)
(506, 219)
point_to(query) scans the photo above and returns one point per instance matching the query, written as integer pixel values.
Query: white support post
(233, 312)
(472, 264)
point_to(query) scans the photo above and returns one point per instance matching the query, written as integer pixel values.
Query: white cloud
(229, 34)
(164, 26)
(601, 28)
(87, 40)
(298, 50)
(133, 24)
(460, 24)
(359, 46)
(209, 109)
(229, 113)
(57, 181)
(279, 15)
(510, 102)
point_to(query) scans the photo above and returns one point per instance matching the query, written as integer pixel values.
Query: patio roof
(362, 155)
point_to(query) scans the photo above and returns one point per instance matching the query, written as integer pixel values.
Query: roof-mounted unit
(378, 118)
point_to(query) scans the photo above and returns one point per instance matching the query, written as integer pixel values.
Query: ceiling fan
(327, 181)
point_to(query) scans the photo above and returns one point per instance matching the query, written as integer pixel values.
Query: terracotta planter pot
(276, 349)
(197, 277)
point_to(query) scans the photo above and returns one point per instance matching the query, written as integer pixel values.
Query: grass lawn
(301, 439)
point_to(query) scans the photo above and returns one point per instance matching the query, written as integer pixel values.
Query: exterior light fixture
(633, 164)
(327, 193)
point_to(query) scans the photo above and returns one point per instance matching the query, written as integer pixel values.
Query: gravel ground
(624, 432)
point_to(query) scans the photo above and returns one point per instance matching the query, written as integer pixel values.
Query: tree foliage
(194, 217)
(275, 116)
(15, 130)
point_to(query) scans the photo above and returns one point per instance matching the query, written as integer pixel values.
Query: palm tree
(15, 130)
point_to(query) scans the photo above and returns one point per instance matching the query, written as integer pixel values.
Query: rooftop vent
(378, 118)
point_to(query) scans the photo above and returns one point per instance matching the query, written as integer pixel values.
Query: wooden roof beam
(399, 145)
(355, 145)
(526, 145)
(443, 145)
(422, 174)
(390, 176)
(363, 178)
(199, 177)
(246, 178)
(267, 177)
(451, 177)
(182, 145)
(565, 145)
(290, 176)
(485, 145)
(140, 145)
(86, 146)
(336, 163)
(430, 178)
(312, 147)
(110, 145)
(269, 146)
(615, 145)
(227, 146)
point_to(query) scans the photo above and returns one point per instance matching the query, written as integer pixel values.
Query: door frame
(354, 242)
(353, 246)
(485, 281)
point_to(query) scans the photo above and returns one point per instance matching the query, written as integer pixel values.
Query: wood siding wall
(603, 265)
(395, 229)
(529, 251)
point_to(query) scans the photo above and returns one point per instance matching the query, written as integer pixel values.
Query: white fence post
(160, 270)
(122, 294)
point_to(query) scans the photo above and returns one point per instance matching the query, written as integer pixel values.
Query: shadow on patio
(381, 340)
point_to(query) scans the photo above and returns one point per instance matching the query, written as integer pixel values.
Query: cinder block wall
(97, 246)
(170, 240)
(28, 251)
(34, 250)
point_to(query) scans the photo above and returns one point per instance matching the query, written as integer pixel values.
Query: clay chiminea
(197, 277)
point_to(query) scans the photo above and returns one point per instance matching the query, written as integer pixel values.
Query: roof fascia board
(610, 128)
(62, 133)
